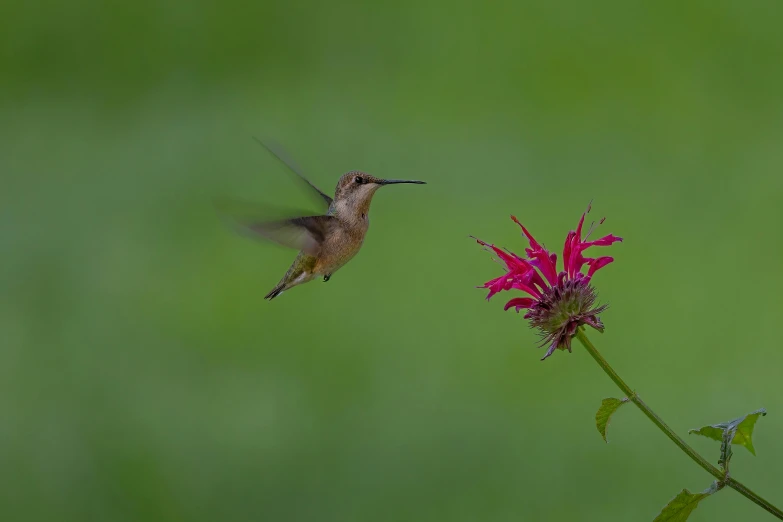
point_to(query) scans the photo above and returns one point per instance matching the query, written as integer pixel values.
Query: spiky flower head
(558, 302)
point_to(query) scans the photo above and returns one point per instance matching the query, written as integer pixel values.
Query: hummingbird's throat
(356, 206)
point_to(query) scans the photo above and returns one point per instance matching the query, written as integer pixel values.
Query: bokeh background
(143, 377)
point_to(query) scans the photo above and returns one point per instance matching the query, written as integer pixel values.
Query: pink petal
(567, 251)
(573, 265)
(512, 261)
(596, 264)
(498, 285)
(530, 238)
(519, 285)
(519, 303)
(578, 232)
(540, 256)
(507, 282)
(545, 261)
(533, 278)
(604, 241)
(577, 260)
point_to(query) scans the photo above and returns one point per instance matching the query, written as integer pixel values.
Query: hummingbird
(325, 242)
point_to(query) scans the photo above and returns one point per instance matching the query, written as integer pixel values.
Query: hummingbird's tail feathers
(275, 291)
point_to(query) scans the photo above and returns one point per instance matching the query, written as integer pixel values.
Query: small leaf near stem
(741, 430)
(604, 413)
(680, 507)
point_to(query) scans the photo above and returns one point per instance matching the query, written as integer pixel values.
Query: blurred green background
(143, 377)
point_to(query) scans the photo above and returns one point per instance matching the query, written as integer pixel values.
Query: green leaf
(604, 413)
(712, 432)
(745, 430)
(741, 429)
(680, 507)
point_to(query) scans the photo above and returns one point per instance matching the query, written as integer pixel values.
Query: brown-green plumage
(326, 242)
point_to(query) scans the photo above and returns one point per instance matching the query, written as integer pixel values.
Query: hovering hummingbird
(325, 242)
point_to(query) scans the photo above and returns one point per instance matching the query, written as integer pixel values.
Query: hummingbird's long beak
(395, 181)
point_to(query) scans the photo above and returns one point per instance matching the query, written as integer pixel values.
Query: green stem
(698, 459)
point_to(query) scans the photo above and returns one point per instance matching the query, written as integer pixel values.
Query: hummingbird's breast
(342, 245)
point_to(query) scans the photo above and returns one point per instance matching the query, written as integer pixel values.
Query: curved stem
(698, 459)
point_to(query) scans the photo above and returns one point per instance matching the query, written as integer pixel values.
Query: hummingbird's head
(355, 190)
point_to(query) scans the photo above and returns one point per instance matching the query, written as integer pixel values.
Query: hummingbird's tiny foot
(327, 277)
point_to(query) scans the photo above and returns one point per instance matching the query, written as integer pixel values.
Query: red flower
(558, 302)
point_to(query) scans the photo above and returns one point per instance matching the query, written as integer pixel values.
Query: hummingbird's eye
(359, 180)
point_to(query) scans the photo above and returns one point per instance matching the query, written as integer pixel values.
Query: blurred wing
(277, 151)
(301, 233)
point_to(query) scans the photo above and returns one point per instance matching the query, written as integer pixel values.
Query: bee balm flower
(557, 303)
